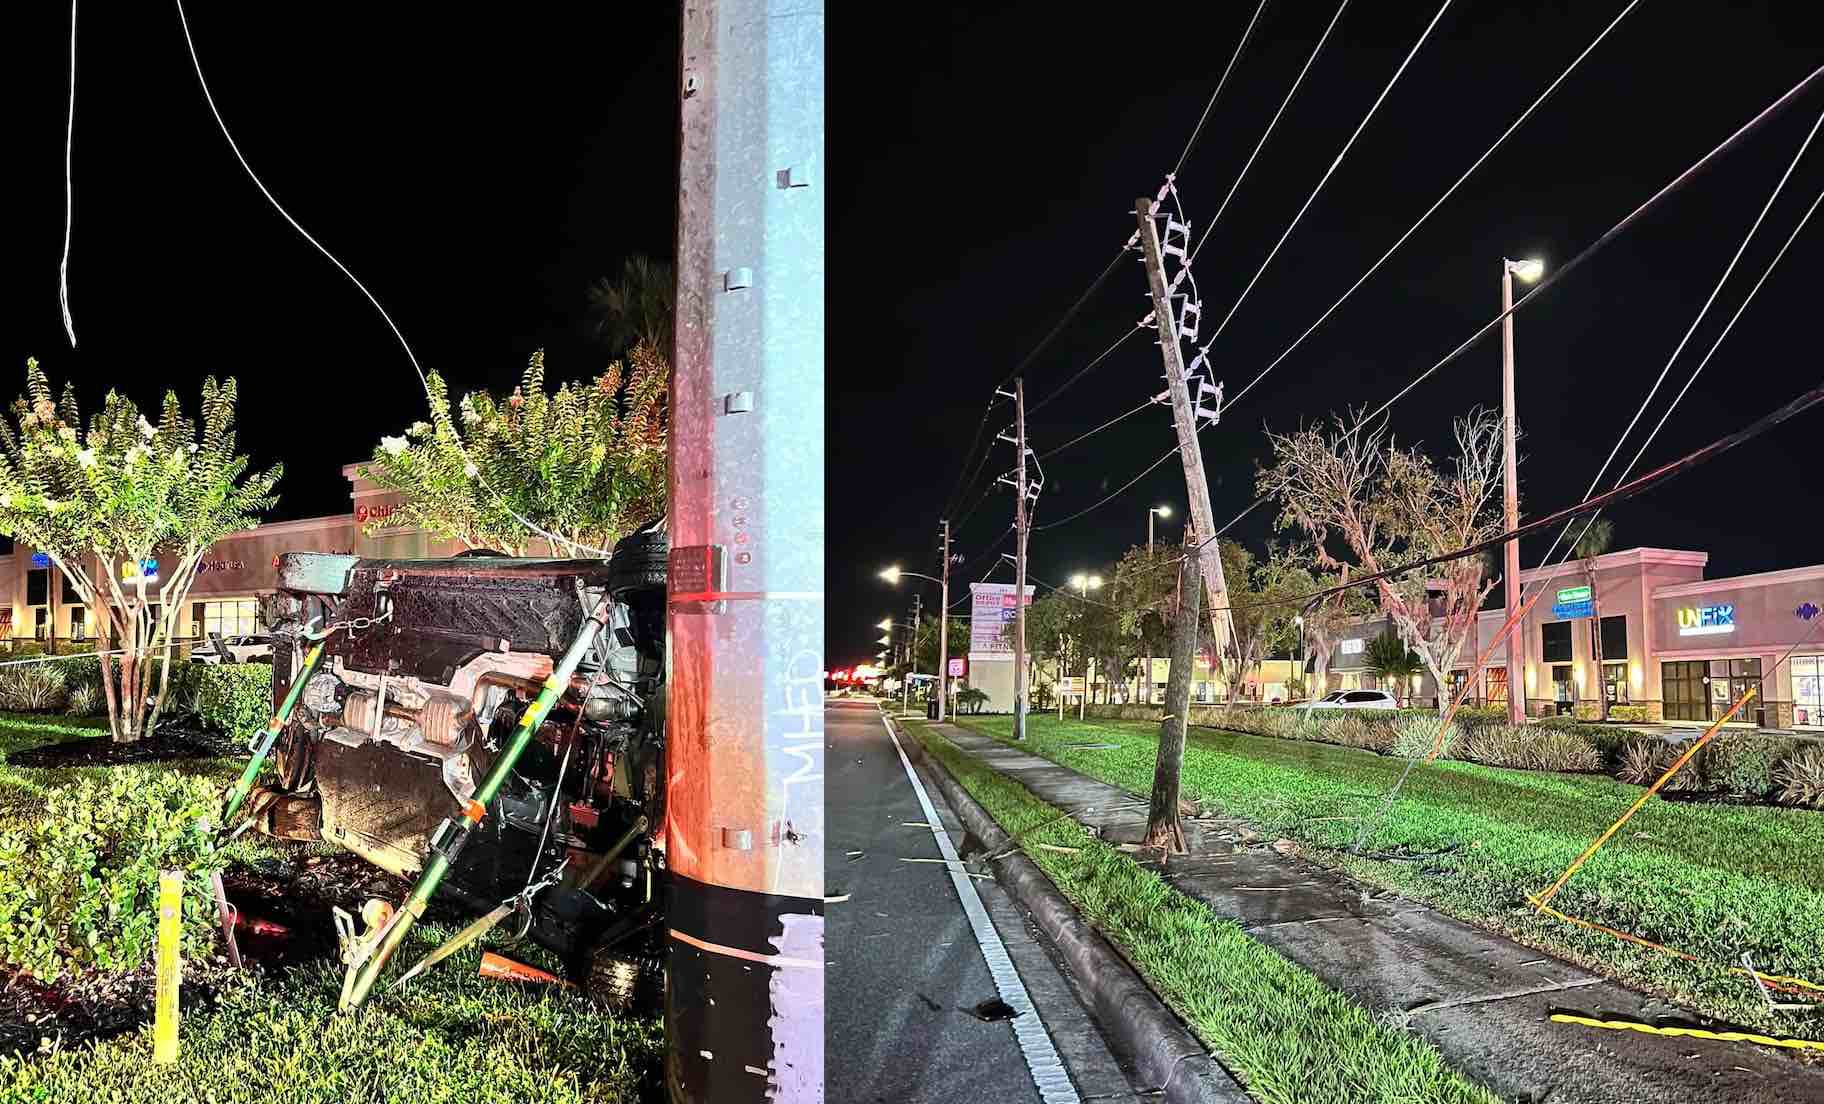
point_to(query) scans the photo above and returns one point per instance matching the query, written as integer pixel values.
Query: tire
(639, 562)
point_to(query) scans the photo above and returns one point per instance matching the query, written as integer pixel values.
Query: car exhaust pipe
(447, 842)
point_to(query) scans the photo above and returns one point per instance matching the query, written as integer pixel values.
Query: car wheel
(639, 562)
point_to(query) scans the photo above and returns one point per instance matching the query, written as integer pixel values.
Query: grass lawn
(1714, 880)
(448, 1036)
(1285, 1034)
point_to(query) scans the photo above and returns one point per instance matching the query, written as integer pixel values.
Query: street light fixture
(890, 574)
(1528, 271)
(886, 625)
(1146, 661)
(1085, 584)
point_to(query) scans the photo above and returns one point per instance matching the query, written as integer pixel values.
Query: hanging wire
(1608, 236)
(1325, 179)
(471, 469)
(1221, 83)
(69, 192)
(1439, 202)
(1271, 123)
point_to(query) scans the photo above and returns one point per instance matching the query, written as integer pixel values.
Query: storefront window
(1614, 637)
(1495, 681)
(1685, 695)
(41, 623)
(1704, 691)
(1729, 680)
(38, 586)
(1808, 691)
(78, 624)
(1555, 640)
(1615, 682)
(1457, 679)
(1564, 694)
(239, 617)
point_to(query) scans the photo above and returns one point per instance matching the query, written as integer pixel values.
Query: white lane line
(1048, 1073)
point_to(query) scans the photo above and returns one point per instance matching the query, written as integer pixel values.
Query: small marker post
(170, 967)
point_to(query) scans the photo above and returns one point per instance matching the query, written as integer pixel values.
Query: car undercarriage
(427, 668)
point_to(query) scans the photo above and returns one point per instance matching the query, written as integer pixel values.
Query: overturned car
(430, 736)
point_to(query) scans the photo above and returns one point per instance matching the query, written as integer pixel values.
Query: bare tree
(1392, 506)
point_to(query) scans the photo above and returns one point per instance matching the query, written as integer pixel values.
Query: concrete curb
(1165, 1052)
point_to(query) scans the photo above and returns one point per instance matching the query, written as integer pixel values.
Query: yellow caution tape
(1690, 1032)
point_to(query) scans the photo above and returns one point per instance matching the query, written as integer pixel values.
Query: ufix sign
(1706, 620)
(375, 513)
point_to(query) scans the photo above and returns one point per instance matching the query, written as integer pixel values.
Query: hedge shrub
(236, 698)
(1741, 764)
(1801, 777)
(1532, 747)
(82, 880)
(32, 688)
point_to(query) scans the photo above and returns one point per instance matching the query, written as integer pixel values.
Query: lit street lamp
(1085, 584)
(1300, 622)
(893, 575)
(1146, 661)
(1528, 271)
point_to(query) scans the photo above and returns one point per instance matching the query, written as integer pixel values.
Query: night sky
(992, 160)
(476, 173)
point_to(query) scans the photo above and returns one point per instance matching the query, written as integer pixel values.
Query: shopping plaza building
(1683, 646)
(37, 604)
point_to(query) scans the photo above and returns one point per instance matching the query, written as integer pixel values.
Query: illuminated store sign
(1573, 602)
(1706, 620)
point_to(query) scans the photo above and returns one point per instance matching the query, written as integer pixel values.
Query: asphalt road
(904, 969)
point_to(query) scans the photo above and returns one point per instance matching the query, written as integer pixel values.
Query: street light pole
(912, 654)
(1146, 661)
(1084, 583)
(943, 631)
(1510, 488)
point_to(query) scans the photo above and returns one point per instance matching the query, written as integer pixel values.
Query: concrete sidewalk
(1482, 1000)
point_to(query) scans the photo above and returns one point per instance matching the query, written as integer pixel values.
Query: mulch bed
(285, 905)
(173, 742)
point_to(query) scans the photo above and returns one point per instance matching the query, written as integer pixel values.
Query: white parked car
(1353, 699)
(239, 649)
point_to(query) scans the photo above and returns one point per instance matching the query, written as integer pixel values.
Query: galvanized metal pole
(1184, 421)
(744, 833)
(1510, 499)
(1022, 523)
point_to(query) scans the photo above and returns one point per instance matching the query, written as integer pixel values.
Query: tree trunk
(1163, 828)
(1602, 686)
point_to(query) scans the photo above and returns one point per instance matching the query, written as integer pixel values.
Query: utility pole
(744, 740)
(1510, 500)
(1163, 828)
(943, 631)
(1184, 420)
(1022, 530)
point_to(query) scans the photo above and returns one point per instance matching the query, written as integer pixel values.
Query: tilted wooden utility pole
(1184, 420)
(1163, 828)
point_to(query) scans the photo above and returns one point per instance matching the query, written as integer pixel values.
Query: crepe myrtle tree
(102, 501)
(585, 463)
(1390, 507)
